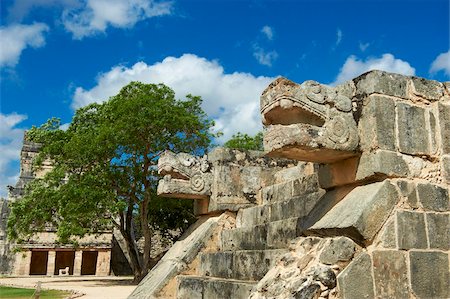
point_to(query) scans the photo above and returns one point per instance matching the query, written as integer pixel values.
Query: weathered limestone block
(390, 274)
(429, 274)
(381, 162)
(444, 122)
(408, 190)
(338, 249)
(379, 82)
(244, 238)
(413, 136)
(195, 287)
(280, 232)
(298, 206)
(179, 256)
(361, 213)
(356, 281)
(277, 192)
(411, 230)
(388, 236)
(433, 197)
(241, 264)
(427, 89)
(445, 168)
(377, 124)
(253, 216)
(438, 230)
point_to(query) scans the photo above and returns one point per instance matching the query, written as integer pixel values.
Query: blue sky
(58, 55)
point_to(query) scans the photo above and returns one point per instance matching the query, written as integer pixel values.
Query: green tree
(246, 142)
(105, 168)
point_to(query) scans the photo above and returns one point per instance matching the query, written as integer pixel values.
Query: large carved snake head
(185, 176)
(308, 121)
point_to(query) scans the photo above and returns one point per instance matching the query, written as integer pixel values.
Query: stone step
(244, 238)
(298, 206)
(258, 215)
(280, 233)
(287, 190)
(198, 287)
(241, 264)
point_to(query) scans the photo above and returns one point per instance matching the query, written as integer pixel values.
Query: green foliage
(105, 165)
(246, 142)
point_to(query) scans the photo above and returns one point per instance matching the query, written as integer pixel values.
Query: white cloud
(15, 38)
(10, 145)
(338, 37)
(21, 8)
(264, 57)
(363, 46)
(354, 67)
(95, 16)
(232, 100)
(268, 32)
(441, 63)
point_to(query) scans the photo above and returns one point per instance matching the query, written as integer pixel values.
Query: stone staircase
(261, 237)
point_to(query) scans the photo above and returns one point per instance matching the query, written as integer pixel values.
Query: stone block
(413, 136)
(388, 237)
(254, 264)
(445, 168)
(305, 185)
(408, 190)
(221, 289)
(338, 174)
(429, 274)
(279, 233)
(361, 214)
(250, 238)
(390, 274)
(253, 216)
(381, 82)
(444, 123)
(298, 206)
(189, 287)
(241, 264)
(338, 249)
(356, 281)
(277, 192)
(217, 264)
(433, 197)
(411, 230)
(438, 230)
(381, 163)
(377, 124)
(427, 89)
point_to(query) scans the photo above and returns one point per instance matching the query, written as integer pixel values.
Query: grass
(20, 293)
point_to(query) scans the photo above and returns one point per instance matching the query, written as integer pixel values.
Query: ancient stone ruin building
(349, 200)
(41, 255)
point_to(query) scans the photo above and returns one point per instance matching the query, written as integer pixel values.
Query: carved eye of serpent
(197, 182)
(343, 103)
(313, 92)
(338, 130)
(187, 162)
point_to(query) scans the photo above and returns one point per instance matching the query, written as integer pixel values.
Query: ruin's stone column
(77, 262)
(51, 262)
(22, 263)
(103, 263)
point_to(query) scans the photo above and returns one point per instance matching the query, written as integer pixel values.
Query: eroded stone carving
(308, 119)
(185, 175)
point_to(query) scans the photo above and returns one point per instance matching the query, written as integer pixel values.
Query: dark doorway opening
(89, 262)
(38, 264)
(64, 259)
